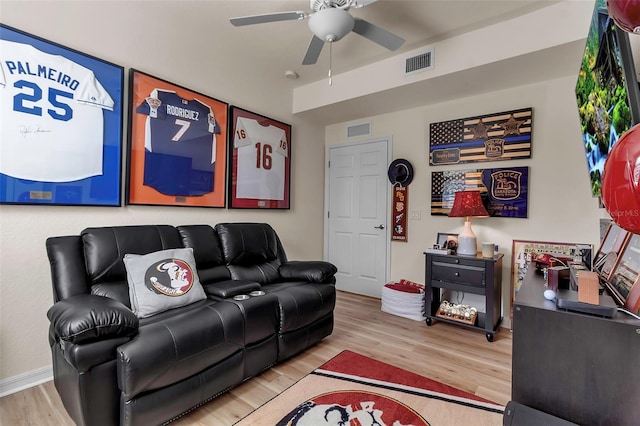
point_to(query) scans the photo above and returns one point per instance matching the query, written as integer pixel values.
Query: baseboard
(25, 380)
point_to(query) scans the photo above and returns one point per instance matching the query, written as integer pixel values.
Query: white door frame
(389, 141)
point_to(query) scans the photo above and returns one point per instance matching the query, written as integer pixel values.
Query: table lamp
(467, 204)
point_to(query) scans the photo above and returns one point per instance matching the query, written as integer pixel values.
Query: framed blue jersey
(178, 146)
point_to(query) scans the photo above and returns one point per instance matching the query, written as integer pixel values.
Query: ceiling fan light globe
(331, 24)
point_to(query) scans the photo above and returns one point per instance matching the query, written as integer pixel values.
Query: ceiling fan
(329, 22)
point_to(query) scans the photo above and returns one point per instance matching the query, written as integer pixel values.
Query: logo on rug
(171, 277)
(352, 408)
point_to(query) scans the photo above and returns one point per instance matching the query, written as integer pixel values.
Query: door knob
(379, 227)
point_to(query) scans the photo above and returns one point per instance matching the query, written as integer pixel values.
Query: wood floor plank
(457, 356)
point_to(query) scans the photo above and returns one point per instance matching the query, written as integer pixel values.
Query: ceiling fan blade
(313, 52)
(377, 35)
(269, 17)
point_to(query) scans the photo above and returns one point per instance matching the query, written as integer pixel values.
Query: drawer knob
(457, 274)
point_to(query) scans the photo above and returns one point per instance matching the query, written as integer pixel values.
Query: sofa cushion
(176, 345)
(207, 251)
(87, 317)
(162, 280)
(105, 247)
(315, 271)
(301, 303)
(263, 273)
(248, 243)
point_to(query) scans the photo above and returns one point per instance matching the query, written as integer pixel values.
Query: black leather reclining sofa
(111, 367)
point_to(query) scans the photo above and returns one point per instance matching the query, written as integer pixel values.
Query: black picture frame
(443, 237)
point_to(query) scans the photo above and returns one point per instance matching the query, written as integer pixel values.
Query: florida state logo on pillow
(171, 277)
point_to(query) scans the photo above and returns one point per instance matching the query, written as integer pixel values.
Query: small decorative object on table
(446, 241)
(462, 313)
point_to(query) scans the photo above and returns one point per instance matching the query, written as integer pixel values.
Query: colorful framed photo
(60, 126)
(626, 270)
(177, 145)
(259, 161)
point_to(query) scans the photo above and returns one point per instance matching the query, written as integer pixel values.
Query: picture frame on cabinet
(626, 270)
(61, 141)
(177, 145)
(614, 238)
(444, 240)
(259, 169)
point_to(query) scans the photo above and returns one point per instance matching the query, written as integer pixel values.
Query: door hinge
(329, 164)
(328, 215)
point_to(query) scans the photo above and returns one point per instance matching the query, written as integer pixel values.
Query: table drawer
(470, 275)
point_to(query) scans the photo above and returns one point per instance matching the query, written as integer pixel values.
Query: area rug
(355, 390)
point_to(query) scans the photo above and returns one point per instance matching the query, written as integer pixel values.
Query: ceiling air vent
(417, 63)
(363, 129)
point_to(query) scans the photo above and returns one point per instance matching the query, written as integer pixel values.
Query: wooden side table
(468, 274)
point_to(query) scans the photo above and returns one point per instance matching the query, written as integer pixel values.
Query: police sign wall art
(177, 141)
(60, 124)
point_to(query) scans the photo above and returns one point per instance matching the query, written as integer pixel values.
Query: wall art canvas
(177, 145)
(504, 191)
(400, 205)
(606, 91)
(490, 137)
(60, 124)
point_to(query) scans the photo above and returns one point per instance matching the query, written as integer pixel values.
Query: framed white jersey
(260, 163)
(60, 124)
(51, 118)
(261, 153)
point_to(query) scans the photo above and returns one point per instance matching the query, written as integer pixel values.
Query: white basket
(403, 304)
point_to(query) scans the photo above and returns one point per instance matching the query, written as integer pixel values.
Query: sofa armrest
(87, 317)
(315, 271)
(230, 288)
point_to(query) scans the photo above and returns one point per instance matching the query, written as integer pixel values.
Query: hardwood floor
(453, 355)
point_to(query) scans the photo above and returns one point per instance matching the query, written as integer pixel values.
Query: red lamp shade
(468, 204)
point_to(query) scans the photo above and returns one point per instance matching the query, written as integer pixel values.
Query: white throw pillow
(162, 280)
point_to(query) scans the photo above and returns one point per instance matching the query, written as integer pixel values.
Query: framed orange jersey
(177, 145)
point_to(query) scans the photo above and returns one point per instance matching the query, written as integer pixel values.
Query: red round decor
(626, 14)
(621, 181)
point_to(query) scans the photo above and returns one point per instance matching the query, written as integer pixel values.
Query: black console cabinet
(579, 367)
(468, 274)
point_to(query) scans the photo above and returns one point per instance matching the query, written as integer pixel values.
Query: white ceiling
(280, 46)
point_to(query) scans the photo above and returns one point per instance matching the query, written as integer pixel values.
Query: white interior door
(358, 202)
